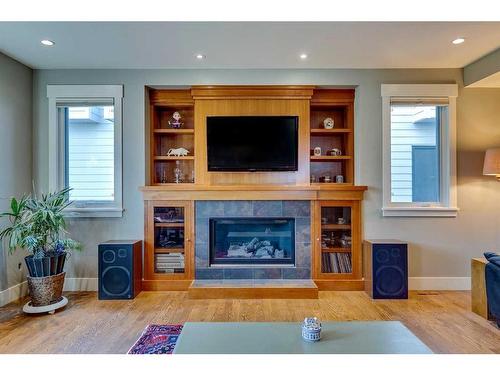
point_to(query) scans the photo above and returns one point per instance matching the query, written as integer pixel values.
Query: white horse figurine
(177, 152)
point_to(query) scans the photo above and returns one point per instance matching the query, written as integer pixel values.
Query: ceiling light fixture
(199, 56)
(458, 41)
(47, 42)
(303, 56)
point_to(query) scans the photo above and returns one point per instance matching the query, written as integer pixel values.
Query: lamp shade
(492, 162)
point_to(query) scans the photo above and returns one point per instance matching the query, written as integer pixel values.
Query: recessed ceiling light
(47, 42)
(199, 56)
(458, 41)
(303, 56)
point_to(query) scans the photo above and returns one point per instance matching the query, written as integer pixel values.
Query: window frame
(57, 142)
(447, 207)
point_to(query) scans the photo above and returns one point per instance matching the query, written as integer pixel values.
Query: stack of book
(337, 263)
(170, 263)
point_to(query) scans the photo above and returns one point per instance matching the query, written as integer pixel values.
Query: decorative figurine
(163, 178)
(175, 121)
(339, 179)
(327, 179)
(313, 178)
(177, 152)
(340, 220)
(335, 152)
(177, 172)
(345, 241)
(311, 329)
(317, 151)
(328, 123)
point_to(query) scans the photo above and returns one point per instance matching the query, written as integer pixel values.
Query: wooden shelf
(173, 131)
(330, 131)
(169, 225)
(336, 249)
(336, 226)
(333, 185)
(173, 158)
(330, 158)
(161, 250)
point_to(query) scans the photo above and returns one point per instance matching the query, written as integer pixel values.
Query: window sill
(420, 211)
(75, 213)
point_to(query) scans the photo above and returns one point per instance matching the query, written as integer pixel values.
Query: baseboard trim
(80, 284)
(439, 283)
(90, 284)
(71, 284)
(13, 293)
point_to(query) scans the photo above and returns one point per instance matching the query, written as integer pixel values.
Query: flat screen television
(252, 143)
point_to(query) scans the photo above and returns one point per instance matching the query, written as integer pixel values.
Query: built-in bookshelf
(176, 180)
(335, 162)
(169, 133)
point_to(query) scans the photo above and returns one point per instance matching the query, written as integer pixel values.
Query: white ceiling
(248, 45)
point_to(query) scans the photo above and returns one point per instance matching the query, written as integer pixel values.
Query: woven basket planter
(46, 290)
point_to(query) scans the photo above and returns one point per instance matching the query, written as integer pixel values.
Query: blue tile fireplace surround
(297, 212)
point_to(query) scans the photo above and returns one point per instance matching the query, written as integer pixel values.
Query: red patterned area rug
(157, 339)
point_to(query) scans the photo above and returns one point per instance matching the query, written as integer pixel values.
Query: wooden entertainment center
(170, 206)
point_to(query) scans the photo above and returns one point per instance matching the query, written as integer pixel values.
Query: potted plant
(37, 224)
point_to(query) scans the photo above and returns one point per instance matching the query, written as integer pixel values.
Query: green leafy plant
(38, 225)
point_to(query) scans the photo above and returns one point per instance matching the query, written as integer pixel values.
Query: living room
(196, 187)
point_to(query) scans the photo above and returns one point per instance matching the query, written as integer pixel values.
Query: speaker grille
(108, 256)
(116, 281)
(390, 280)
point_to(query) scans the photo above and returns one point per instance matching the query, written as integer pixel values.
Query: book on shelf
(161, 260)
(336, 263)
(169, 261)
(170, 256)
(170, 270)
(169, 264)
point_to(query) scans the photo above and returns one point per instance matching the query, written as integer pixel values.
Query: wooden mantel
(253, 192)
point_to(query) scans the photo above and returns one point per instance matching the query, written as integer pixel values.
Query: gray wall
(439, 246)
(482, 68)
(15, 151)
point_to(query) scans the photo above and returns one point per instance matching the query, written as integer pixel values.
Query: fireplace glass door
(252, 241)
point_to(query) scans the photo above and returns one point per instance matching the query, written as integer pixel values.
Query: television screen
(252, 143)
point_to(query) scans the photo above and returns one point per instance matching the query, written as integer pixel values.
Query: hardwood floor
(442, 320)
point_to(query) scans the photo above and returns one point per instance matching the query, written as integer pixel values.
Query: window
(85, 148)
(419, 150)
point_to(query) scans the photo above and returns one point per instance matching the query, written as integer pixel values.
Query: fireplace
(252, 241)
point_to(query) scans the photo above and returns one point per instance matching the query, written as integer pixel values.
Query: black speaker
(385, 268)
(120, 269)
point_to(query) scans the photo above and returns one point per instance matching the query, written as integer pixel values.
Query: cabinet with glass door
(168, 251)
(337, 240)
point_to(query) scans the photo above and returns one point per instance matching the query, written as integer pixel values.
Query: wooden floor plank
(442, 320)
